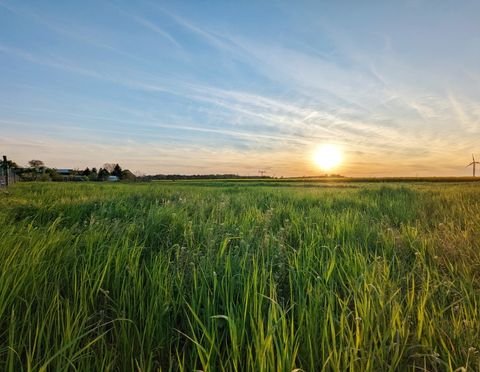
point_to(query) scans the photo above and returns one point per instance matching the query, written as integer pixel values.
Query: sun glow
(327, 157)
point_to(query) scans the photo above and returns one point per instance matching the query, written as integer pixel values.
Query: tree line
(38, 171)
(222, 176)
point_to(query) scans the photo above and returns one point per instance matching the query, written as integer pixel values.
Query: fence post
(5, 168)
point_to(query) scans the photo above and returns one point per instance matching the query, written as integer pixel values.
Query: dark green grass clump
(182, 276)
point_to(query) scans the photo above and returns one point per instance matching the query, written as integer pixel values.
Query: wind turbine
(473, 163)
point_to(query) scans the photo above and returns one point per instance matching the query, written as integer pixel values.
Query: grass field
(240, 276)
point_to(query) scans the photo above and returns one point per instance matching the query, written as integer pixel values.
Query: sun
(327, 157)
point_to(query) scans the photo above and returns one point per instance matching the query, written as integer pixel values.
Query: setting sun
(327, 157)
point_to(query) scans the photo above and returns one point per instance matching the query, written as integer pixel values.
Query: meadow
(240, 276)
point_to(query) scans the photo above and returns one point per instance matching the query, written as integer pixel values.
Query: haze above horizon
(233, 87)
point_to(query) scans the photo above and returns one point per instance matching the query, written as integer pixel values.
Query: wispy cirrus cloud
(256, 96)
(85, 35)
(155, 28)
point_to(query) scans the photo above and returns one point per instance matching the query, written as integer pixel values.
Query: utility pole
(5, 169)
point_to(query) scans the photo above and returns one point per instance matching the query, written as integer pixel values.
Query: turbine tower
(473, 163)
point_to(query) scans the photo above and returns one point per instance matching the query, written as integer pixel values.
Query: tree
(36, 164)
(54, 176)
(117, 171)
(93, 175)
(87, 172)
(10, 164)
(127, 175)
(103, 174)
(109, 167)
(36, 167)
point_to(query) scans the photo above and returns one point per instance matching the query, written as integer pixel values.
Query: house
(113, 179)
(64, 171)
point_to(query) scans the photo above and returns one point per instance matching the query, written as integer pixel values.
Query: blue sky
(238, 86)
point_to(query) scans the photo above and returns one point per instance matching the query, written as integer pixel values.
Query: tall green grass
(239, 277)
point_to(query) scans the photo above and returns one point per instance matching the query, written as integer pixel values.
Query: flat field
(260, 276)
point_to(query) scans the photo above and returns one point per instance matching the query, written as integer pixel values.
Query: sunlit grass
(238, 277)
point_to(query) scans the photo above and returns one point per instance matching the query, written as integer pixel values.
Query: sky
(197, 87)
